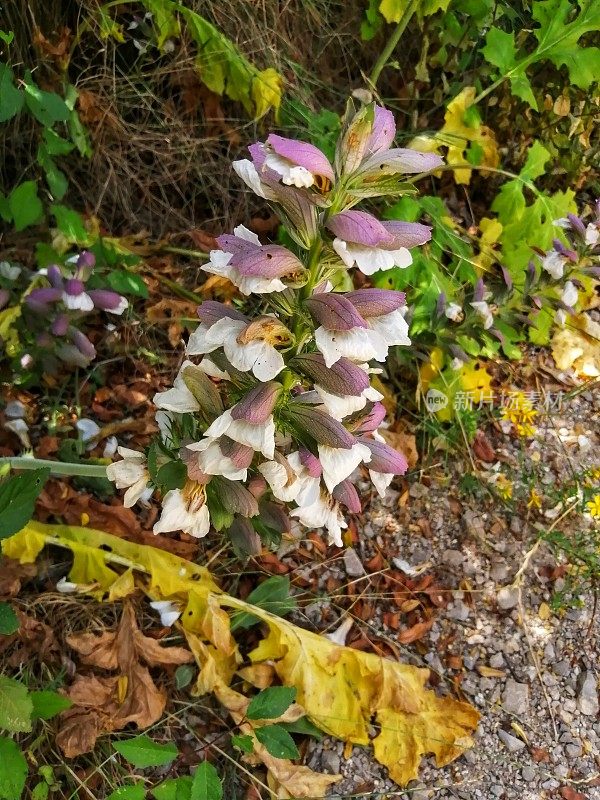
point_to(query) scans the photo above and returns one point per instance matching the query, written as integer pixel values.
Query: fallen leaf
(569, 793)
(416, 632)
(405, 443)
(576, 347)
(483, 449)
(13, 575)
(490, 672)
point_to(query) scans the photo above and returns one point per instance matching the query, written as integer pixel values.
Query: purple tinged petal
(507, 277)
(86, 260)
(271, 261)
(105, 299)
(302, 154)
(440, 306)
(45, 340)
(407, 234)
(458, 352)
(274, 516)
(369, 422)
(257, 154)
(383, 131)
(240, 454)
(236, 246)
(244, 538)
(257, 405)
(384, 458)
(399, 159)
(564, 251)
(594, 271)
(343, 378)
(498, 334)
(83, 344)
(479, 291)
(376, 302)
(334, 312)
(577, 224)
(321, 427)
(211, 311)
(346, 494)
(310, 463)
(39, 299)
(60, 325)
(359, 227)
(55, 276)
(4, 297)
(74, 287)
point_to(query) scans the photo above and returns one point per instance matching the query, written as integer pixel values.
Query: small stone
(497, 790)
(454, 558)
(459, 611)
(573, 750)
(528, 774)
(587, 700)
(418, 490)
(330, 762)
(508, 597)
(353, 564)
(512, 744)
(562, 668)
(515, 699)
(499, 571)
(550, 784)
(497, 661)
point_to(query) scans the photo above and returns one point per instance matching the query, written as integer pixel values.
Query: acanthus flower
(131, 473)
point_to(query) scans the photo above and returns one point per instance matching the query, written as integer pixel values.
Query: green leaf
(47, 107)
(17, 499)
(11, 99)
(7, 36)
(15, 706)
(271, 703)
(172, 475)
(142, 752)
(535, 163)
(47, 704)
(9, 622)
(206, 784)
(40, 791)
(55, 144)
(127, 283)
(303, 726)
(25, 205)
(164, 20)
(13, 770)
(174, 789)
(77, 131)
(131, 791)
(243, 743)
(57, 181)
(272, 595)
(184, 675)
(70, 224)
(277, 741)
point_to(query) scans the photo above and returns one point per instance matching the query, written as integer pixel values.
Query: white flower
(260, 436)
(371, 259)
(9, 271)
(592, 234)
(255, 355)
(364, 344)
(179, 398)
(65, 586)
(554, 264)
(246, 170)
(338, 463)
(21, 429)
(454, 312)
(484, 311)
(132, 474)
(208, 366)
(323, 513)
(457, 363)
(569, 294)
(295, 484)
(78, 302)
(340, 407)
(185, 510)
(165, 420)
(212, 461)
(291, 174)
(169, 613)
(560, 317)
(218, 264)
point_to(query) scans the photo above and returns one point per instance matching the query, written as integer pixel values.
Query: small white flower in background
(323, 513)
(484, 311)
(592, 234)
(560, 317)
(457, 363)
(21, 429)
(179, 398)
(339, 635)
(65, 586)
(88, 429)
(569, 294)
(554, 264)
(168, 611)
(185, 510)
(9, 271)
(110, 447)
(130, 473)
(454, 312)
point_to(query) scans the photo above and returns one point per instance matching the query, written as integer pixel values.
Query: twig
(392, 42)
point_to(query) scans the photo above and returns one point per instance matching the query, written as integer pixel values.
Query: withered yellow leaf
(576, 347)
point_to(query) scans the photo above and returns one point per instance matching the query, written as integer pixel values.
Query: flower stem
(392, 42)
(56, 467)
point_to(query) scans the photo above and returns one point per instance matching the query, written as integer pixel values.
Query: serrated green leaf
(11, 98)
(174, 789)
(143, 752)
(47, 704)
(9, 622)
(206, 784)
(243, 743)
(132, 791)
(17, 499)
(271, 703)
(25, 206)
(272, 595)
(277, 741)
(13, 770)
(57, 181)
(47, 107)
(15, 706)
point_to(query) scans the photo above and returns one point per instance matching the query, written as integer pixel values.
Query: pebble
(573, 750)
(508, 597)
(512, 744)
(459, 611)
(515, 698)
(353, 564)
(497, 661)
(528, 774)
(587, 700)
(330, 762)
(454, 558)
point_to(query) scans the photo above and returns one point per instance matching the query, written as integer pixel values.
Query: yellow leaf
(491, 230)
(8, 331)
(457, 137)
(267, 88)
(576, 347)
(393, 10)
(342, 690)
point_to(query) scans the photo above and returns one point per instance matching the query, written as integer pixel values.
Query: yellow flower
(593, 506)
(535, 499)
(520, 413)
(593, 475)
(504, 486)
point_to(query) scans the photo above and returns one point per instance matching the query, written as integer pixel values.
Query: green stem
(183, 251)
(56, 467)
(392, 42)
